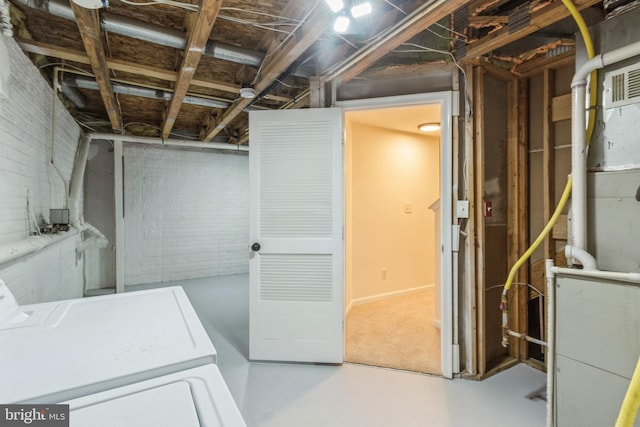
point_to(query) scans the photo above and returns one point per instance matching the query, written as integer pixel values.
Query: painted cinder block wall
(186, 214)
(28, 112)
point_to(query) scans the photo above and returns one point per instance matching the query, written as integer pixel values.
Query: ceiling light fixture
(361, 9)
(429, 127)
(357, 10)
(335, 5)
(342, 24)
(248, 92)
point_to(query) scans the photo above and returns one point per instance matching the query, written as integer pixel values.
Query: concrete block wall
(186, 214)
(28, 117)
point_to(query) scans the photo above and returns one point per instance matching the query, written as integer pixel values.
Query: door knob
(255, 247)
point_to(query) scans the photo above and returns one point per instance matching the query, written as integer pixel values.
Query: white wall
(99, 211)
(389, 170)
(25, 168)
(186, 214)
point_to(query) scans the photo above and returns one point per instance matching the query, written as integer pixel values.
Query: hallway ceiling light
(429, 127)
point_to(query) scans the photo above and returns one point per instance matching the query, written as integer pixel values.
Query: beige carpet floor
(396, 332)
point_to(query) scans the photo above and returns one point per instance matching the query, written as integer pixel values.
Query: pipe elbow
(585, 258)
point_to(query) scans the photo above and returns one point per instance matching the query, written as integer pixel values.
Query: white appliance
(190, 398)
(63, 350)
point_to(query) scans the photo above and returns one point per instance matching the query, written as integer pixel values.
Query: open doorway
(393, 238)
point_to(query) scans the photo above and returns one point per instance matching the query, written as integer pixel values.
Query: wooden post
(478, 159)
(548, 166)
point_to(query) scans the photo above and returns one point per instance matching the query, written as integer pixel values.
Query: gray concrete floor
(283, 395)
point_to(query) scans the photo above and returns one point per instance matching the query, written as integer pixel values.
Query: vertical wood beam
(512, 210)
(89, 26)
(199, 29)
(522, 219)
(548, 165)
(478, 119)
(471, 305)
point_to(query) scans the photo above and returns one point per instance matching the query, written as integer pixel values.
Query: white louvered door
(297, 273)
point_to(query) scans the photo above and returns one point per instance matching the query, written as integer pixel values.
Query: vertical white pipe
(579, 167)
(119, 203)
(550, 341)
(77, 177)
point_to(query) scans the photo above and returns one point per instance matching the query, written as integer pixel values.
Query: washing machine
(196, 397)
(63, 350)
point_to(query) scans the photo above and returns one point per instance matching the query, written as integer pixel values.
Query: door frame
(448, 109)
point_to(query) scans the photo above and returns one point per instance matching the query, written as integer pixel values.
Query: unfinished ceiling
(176, 68)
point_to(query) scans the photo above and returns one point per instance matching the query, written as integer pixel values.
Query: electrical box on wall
(462, 209)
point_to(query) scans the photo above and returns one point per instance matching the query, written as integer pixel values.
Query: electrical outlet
(408, 208)
(383, 274)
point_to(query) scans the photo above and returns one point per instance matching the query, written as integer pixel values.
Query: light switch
(462, 209)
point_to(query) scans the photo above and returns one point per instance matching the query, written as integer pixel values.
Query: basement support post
(119, 213)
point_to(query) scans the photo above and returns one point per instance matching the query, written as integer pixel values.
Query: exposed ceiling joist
(536, 66)
(89, 26)
(66, 54)
(275, 65)
(199, 31)
(294, 9)
(541, 18)
(409, 27)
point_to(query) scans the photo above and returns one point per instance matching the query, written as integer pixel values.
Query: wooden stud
(550, 14)
(522, 206)
(199, 29)
(548, 154)
(89, 26)
(512, 211)
(478, 119)
(470, 241)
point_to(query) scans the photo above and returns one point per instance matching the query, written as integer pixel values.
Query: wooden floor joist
(541, 18)
(67, 54)
(274, 66)
(89, 26)
(198, 35)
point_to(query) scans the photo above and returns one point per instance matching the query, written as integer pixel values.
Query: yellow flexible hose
(593, 91)
(631, 402)
(547, 228)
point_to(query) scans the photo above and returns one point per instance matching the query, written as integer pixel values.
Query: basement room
(274, 213)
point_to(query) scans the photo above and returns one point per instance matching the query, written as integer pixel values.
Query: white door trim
(446, 102)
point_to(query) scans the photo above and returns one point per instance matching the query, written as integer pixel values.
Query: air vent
(622, 87)
(633, 83)
(617, 88)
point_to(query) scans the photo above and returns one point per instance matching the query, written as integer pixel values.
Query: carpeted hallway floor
(396, 332)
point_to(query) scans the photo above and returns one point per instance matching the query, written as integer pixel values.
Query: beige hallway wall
(387, 172)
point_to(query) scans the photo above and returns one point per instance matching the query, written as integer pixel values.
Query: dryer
(63, 350)
(196, 397)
